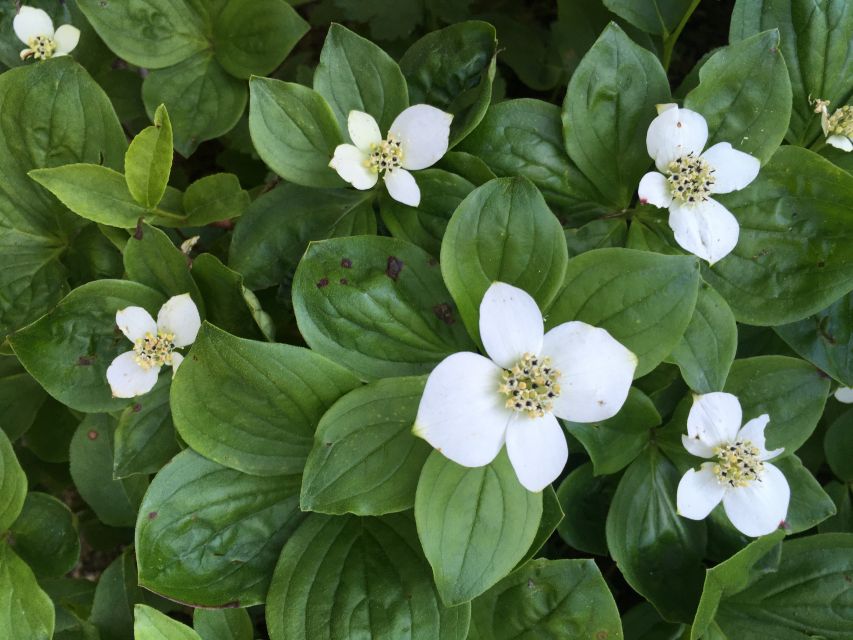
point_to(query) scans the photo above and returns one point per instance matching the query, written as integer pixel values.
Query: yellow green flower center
(530, 386)
(737, 463)
(40, 48)
(690, 179)
(154, 351)
(840, 123)
(385, 156)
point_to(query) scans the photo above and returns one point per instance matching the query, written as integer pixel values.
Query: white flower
(418, 137)
(838, 127)
(754, 493)
(35, 29)
(472, 404)
(135, 372)
(688, 177)
(844, 394)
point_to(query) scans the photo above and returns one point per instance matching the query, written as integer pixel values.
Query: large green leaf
(151, 259)
(377, 305)
(253, 406)
(644, 300)
(25, 610)
(148, 161)
(475, 524)
(810, 505)
(230, 306)
(213, 198)
(145, 438)
(348, 577)
(223, 624)
(115, 596)
(45, 535)
(13, 484)
(660, 17)
(21, 398)
(838, 446)
(585, 499)
(150, 624)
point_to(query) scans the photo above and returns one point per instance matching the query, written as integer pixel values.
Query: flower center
(737, 463)
(690, 179)
(154, 351)
(385, 156)
(840, 123)
(40, 48)
(530, 386)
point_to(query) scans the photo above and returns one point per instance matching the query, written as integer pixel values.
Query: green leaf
(609, 105)
(614, 443)
(223, 624)
(652, 545)
(52, 430)
(294, 131)
(227, 302)
(503, 231)
(348, 577)
(597, 234)
(253, 406)
(548, 599)
(356, 75)
(644, 300)
(253, 37)
(643, 622)
(838, 446)
(842, 521)
(659, 17)
(453, 69)
(25, 610)
(68, 350)
(745, 95)
(148, 161)
(45, 535)
(815, 42)
(114, 501)
(21, 398)
(115, 595)
(707, 349)
(585, 498)
(475, 524)
(151, 259)
(365, 459)
(213, 198)
(552, 516)
(810, 505)
(376, 305)
(150, 624)
(145, 439)
(13, 484)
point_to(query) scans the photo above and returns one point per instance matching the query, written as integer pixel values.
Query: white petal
(715, 418)
(180, 316)
(696, 447)
(510, 324)
(363, 130)
(402, 187)
(840, 142)
(675, 133)
(654, 189)
(699, 492)
(754, 432)
(596, 371)
(537, 450)
(706, 229)
(177, 359)
(760, 507)
(424, 134)
(733, 169)
(461, 413)
(135, 322)
(66, 38)
(844, 394)
(127, 379)
(31, 22)
(350, 163)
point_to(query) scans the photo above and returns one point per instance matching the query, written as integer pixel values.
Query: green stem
(671, 39)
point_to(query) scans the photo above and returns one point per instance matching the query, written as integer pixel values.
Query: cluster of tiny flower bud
(385, 156)
(530, 386)
(737, 463)
(690, 179)
(154, 351)
(40, 48)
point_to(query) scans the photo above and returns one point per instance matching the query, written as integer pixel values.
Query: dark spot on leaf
(821, 264)
(346, 263)
(329, 444)
(847, 578)
(137, 408)
(444, 312)
(395, 266)
(344, 281)
(322, 283)
(152, 515)
(432, 262)
(85, 361)
(195, 358)
(92, 435)
(601, 635)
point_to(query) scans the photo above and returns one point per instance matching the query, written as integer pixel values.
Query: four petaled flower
(418, 138)
(754, 493)
(35, 29)
(135, 372)
(688, 178)
(472, 405)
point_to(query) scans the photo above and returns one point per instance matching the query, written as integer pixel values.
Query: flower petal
(760, 507)
(537, 450)
(596, 371)
(424, 134)
(135, 322)
(706, 229)
(699, 492)
(654, 189)
(402, 187)
(179, 316)
(733, 169)
(715, 418)
(461, 413)
(66, 39)
(363, 130)
(754, 432)
(675, 133)
(31, 22)
(127, 379)
(177, 359)
(510, 324)
(840, 142)
(696, 447)
(844, 394)
(350, 163)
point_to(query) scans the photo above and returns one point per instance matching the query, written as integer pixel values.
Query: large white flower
(472, 405)
(688, 178)
(754, 493)
(135, 372)
(35, 29)
(418, 137)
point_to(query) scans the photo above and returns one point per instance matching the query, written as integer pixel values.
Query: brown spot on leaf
(85, 361)
(92, 435)
(395, 266)
(322, 282)
(432, 262)
(152, 515)
(346, 263)
(602, 635)
(137, 408)
(344, 281)
(444, 312)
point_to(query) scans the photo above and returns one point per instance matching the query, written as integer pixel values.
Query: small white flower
(838, 127)
(754, 493)
(35, 29)
(688, 178)
(418, 138)
(472, 405)
(135, 372)
(844, 394)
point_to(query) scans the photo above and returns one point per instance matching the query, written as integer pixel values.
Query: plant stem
(671, 39)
